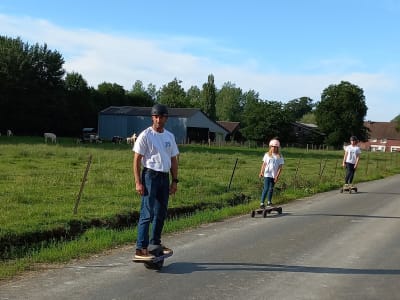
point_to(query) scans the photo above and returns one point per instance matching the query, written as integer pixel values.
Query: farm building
(383, 137)
(233, 131)
(187, 124)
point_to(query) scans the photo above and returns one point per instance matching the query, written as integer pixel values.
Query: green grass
(39, 185)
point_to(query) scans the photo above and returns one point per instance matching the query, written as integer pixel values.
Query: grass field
(39, 185)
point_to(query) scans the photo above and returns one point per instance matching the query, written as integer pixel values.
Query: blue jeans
(154, 207)
(349, 173)
(268, 189)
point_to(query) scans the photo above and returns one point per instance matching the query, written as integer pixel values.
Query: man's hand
(140, 189)
(173, 188)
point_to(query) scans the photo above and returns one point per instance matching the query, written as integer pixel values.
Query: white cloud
(121, 59)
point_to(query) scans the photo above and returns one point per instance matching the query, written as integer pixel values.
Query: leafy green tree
(31, 87)
(297, 108)
(139, 96)
(228, 101)
(111, 94)
(263, 120)
(193, 97)
(81, 111)
(75, 82)
(308, 118)
(397, 120)
(152, 91)
(341, 113)
(173, 94)
(209, 98)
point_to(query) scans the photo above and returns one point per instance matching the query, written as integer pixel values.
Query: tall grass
(39, 185)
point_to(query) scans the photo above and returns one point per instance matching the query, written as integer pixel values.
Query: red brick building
(383, 137)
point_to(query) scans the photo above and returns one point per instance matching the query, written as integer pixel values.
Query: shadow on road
(190, 267)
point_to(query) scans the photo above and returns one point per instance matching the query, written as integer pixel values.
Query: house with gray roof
(187, 124)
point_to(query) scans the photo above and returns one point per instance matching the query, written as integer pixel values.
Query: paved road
(329, 246)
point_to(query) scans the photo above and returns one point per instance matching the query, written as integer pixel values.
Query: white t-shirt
(157, 149)
(272, 164)
(352, 153)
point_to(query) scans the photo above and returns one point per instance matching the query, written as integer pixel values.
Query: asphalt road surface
(329, 246)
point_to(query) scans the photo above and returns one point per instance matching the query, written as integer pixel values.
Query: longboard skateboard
(265, 211)
(158, 261)
(348, 188)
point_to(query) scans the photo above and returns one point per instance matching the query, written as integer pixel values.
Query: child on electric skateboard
(271, 169)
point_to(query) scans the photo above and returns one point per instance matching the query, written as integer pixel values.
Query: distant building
(383, 137)
(306, 134)
(233, 129)
(187, 124)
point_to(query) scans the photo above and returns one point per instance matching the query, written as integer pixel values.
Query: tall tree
(228, 101)
(111, 94)
(193, 97)
(138, 95)
(264, 120)
(172, 94)
(341, 113)
(31, 87)
(297, 108)
(209, 98)
(81, 111)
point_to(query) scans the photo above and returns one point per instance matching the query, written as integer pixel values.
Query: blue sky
(281, 49)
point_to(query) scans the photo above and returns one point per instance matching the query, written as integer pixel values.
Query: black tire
(253, 213)
(154, 266)
(157, 251)
(280, 210)
(356, 190)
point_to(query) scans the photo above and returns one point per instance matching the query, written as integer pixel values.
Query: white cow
(51, 136)
(131, 140)
(94, 138)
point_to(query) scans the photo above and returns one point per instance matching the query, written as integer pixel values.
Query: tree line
(38, 95)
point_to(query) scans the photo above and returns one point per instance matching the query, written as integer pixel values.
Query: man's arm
(137, 158)
(174, 174)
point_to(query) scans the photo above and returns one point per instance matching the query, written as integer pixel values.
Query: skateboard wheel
(341, 190)
(253, 213)
(280, 210)
(265, 212)
(355, 190)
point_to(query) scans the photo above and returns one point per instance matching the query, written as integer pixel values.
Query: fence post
(78, 199)
(233, 171)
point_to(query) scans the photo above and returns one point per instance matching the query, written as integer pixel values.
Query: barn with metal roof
(187, 124)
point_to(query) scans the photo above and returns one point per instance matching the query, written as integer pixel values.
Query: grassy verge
(39, 186)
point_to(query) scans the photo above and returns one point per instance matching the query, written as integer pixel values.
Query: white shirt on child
(272, 164)
(352, 153)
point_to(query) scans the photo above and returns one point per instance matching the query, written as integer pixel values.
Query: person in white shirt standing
(155, 149)
(351, 159)
(271, 168)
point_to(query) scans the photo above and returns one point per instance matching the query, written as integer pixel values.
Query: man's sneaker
(166, 250)
(269, 204)
(143, 254)
(262, 206)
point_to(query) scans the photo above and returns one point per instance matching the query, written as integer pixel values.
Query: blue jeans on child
(268, 189)
(349, 173)
(154, 207)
